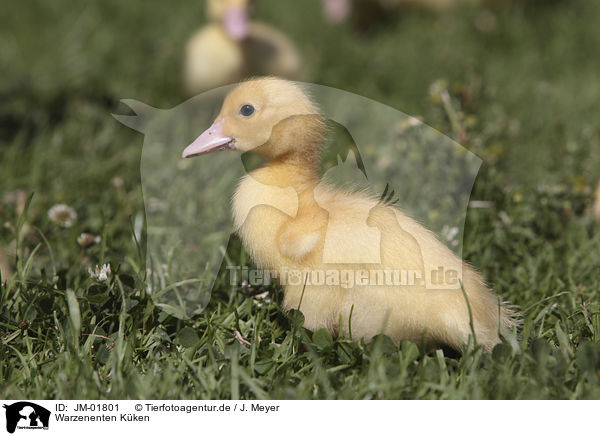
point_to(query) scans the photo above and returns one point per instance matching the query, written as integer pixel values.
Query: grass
(520, 92)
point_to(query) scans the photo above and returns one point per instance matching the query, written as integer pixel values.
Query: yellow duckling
(289, 233)
(232, 47)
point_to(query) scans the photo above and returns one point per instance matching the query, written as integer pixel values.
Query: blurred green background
(523, 88)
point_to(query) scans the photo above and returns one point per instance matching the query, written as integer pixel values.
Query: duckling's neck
(289, 172)
(293, 154)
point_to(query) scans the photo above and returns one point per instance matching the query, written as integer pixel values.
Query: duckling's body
(277, 241)
(284, 232)
(222, 53)
(213, 59)
(268, 51)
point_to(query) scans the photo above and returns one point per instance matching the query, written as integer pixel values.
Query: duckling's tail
(511, 321)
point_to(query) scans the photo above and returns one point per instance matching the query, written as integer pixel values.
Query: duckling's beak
(211, 140)
(237, 23)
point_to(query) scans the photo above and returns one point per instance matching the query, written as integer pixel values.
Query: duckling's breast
(259, 211)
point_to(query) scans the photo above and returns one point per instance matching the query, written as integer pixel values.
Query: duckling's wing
(302, 235)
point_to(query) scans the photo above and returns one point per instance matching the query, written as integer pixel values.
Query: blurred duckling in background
(365, 13)
(276, 119)
(232, 47)
(369, 15)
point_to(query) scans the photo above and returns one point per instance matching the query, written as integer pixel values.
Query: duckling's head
(233, 15)
(270, 116)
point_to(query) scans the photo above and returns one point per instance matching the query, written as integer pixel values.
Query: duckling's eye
(246, 110)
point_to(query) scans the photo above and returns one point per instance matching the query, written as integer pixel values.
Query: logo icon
(26, 415)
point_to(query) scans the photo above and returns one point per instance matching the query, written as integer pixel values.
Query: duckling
(232, 47)
(278, 120)
(365, 13)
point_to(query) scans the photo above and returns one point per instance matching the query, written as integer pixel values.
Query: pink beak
(237, 23)
(211, 140)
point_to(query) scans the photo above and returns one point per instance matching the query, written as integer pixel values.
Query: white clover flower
(104, 274)
(101, 274)
(62, 215)
(87, 239)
